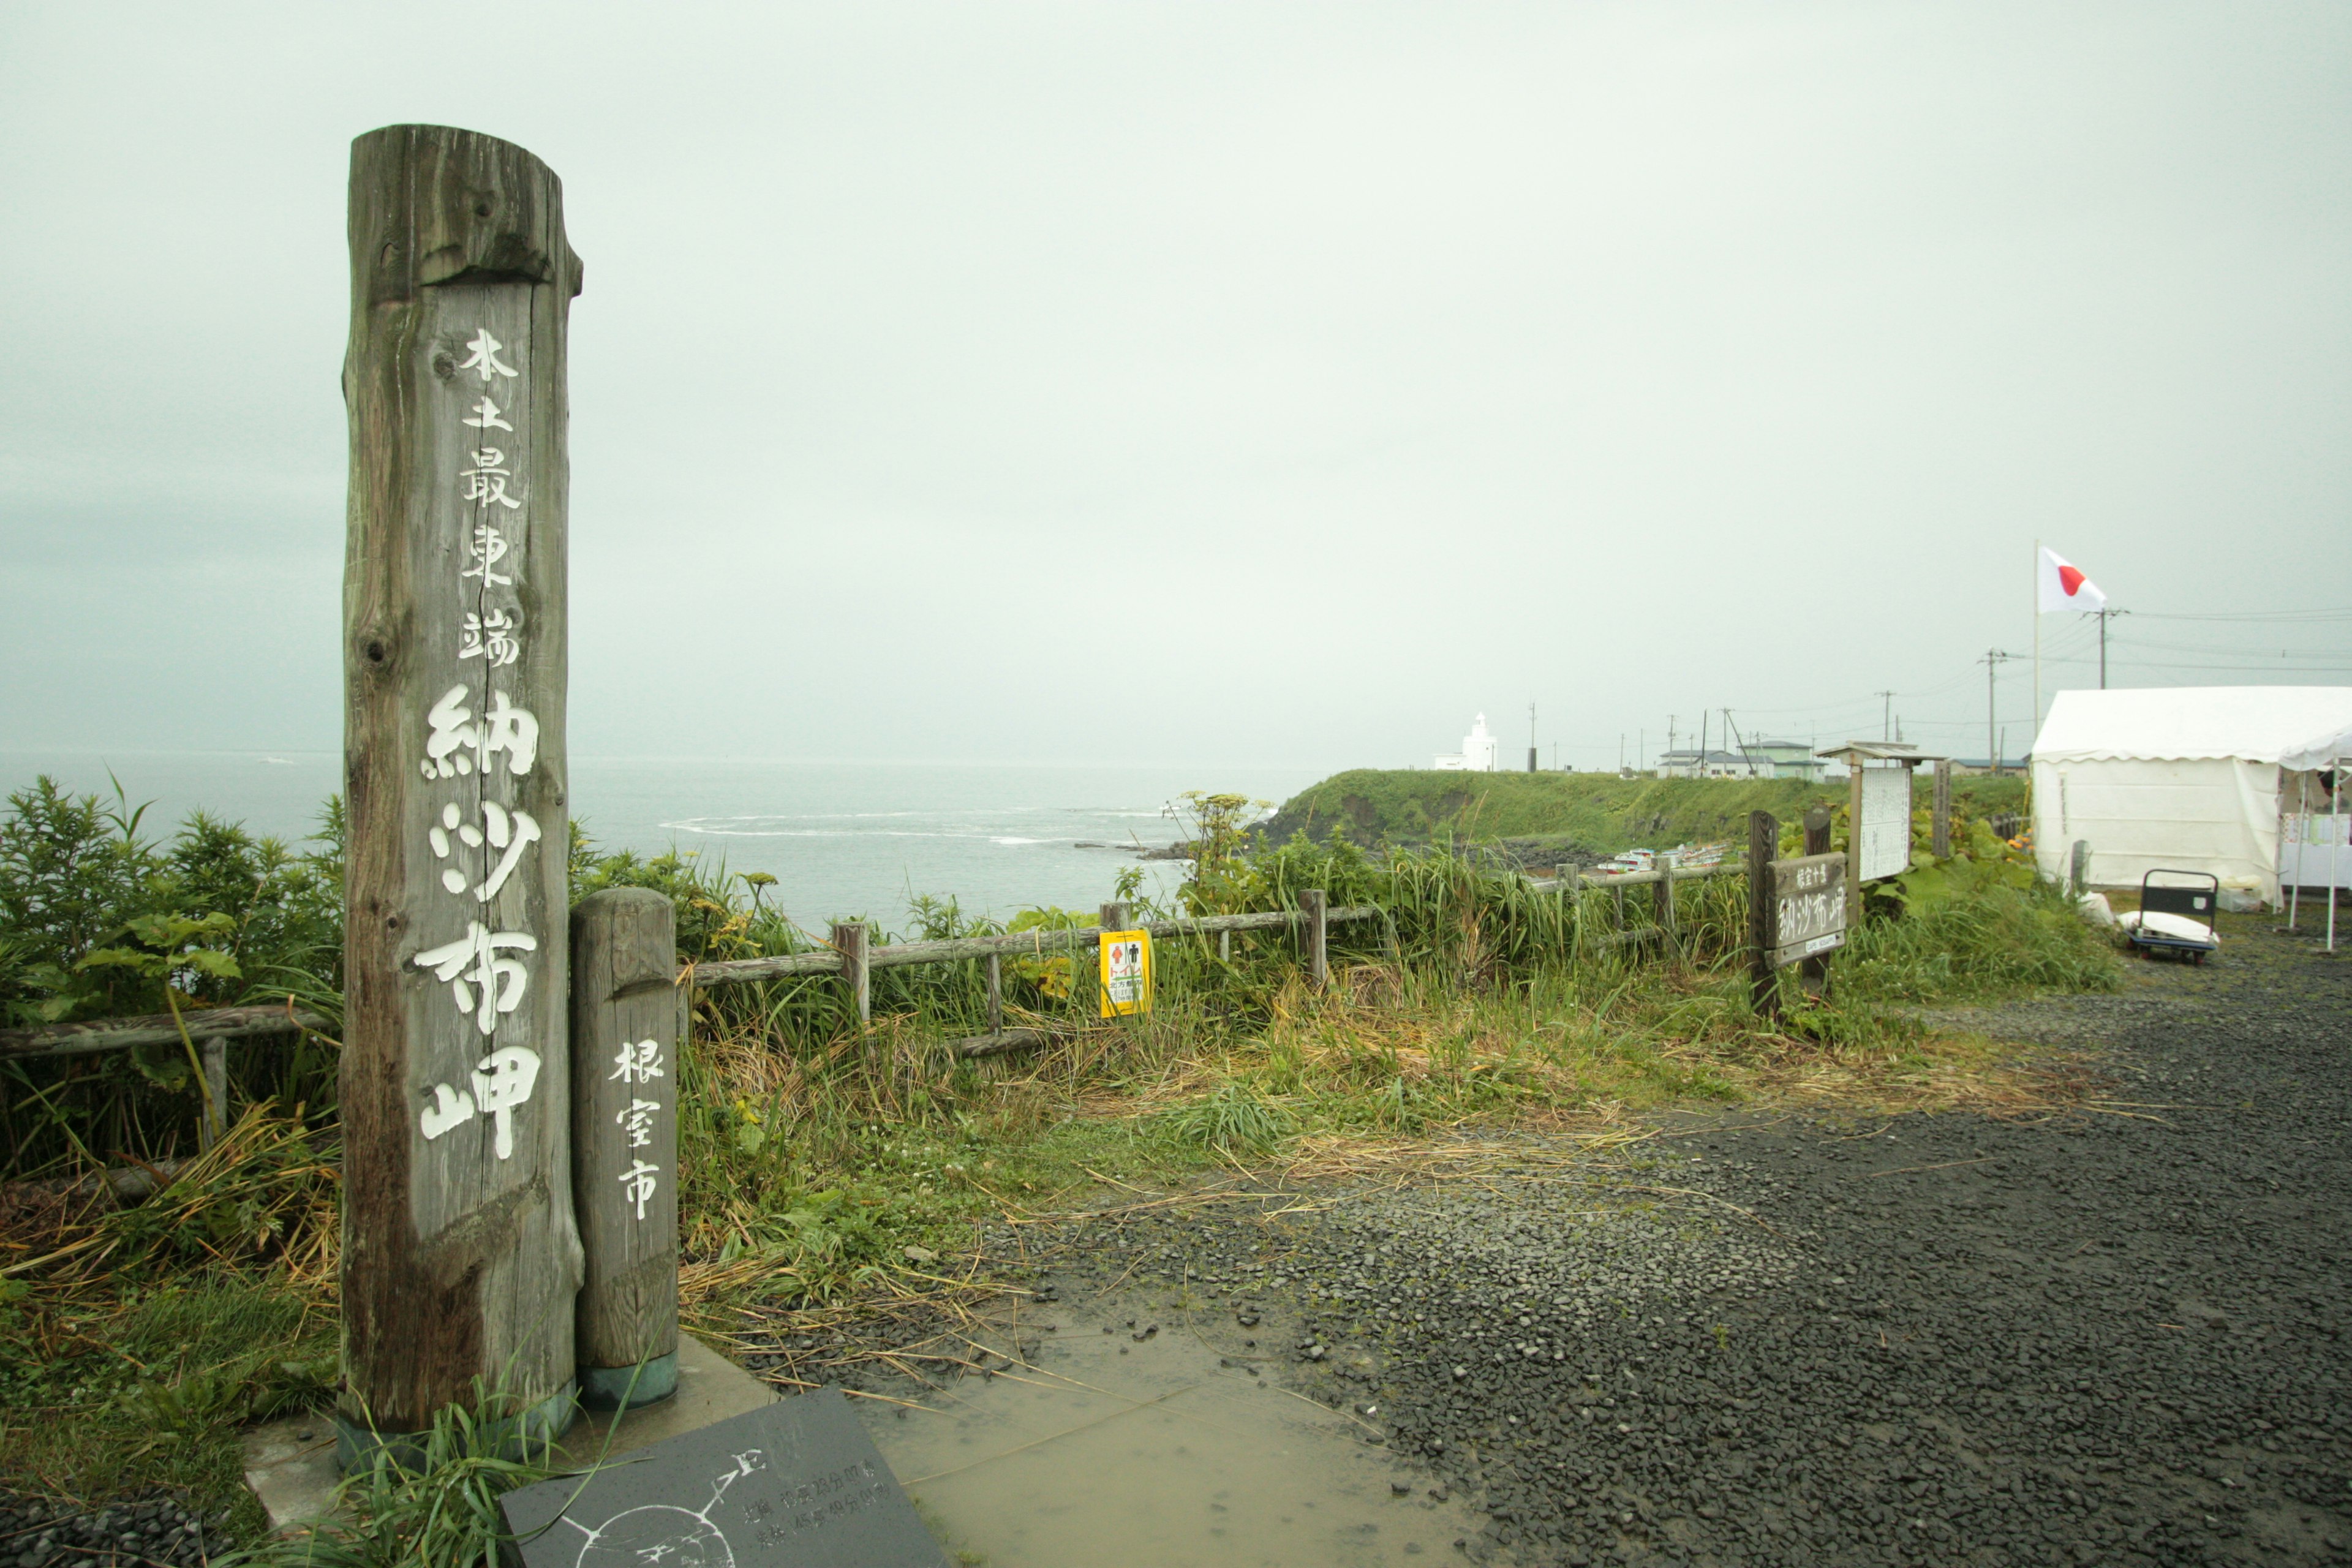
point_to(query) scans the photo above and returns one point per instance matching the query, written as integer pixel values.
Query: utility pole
(1992, 657)
(1737, 744)
(1702, 742)
(2103, 614)
(1531, 737)
(1887, 717)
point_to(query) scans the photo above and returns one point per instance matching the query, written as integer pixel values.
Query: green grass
(157, 1386)
(814, 1154)
(1597, 813)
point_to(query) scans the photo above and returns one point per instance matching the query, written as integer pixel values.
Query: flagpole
(2037, 637)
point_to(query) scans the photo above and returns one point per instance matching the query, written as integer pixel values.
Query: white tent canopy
(2319, 751)
(2184, 778)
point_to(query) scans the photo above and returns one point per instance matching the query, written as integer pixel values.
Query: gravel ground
(2110, 1335)
(130, 1531)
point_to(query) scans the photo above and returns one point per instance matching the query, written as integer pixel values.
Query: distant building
(1786, 760)
(1693, 764)
(1757, 760)
(1478, 753)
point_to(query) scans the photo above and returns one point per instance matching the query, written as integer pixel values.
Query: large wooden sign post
(460, 1255)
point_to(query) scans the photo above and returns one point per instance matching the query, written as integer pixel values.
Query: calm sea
(841, 839)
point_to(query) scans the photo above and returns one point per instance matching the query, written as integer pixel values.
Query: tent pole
(2302, 838)
(2335, 837)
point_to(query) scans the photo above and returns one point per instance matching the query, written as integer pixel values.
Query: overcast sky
(1242, 383)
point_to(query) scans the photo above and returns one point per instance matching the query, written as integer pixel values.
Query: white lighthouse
(1476, 755)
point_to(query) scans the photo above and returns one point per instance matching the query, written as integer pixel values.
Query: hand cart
(2176, 917)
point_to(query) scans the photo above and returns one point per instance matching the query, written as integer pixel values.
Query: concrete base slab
(290, 1463)
(709, 1388)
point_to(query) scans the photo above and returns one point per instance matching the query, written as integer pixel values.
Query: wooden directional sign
(1808, 907)
(796, 1484)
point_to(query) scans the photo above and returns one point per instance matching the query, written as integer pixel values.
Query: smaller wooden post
(1225, 947)
(1941, 842)
(1113, 916)
(995, 993)
(2078, 871)
(1662, 896)
(212, 1111)
(850, 939)
(1313, 938)
(624, 1083)
(1813, 973)
(1763, 849)
(1854, 839)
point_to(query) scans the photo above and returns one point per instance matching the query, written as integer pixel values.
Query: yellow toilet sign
(1126, 972)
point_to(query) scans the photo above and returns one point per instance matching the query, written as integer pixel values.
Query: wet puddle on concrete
(1159, 1458)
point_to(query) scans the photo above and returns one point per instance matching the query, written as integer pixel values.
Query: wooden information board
(1809, 907)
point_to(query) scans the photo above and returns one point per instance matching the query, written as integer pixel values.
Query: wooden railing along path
(848, 955)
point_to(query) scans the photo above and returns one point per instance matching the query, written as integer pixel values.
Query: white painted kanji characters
(638, 1122)
(485, 416)
(636, 1063)
(487, 480)
(450, 1107)
(486, 546)
(498, 983)
(510, 832)
(501, 1081)
(504, 1080)
(455, 744)
(637, 1185)
(494, 637)
(485, 356)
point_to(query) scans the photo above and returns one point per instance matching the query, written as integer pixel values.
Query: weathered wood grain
(1813, 973)
(852, 944)
(157, 1029)
(1941, 840)
(460, 1255)
(1763, 976)
(1315, 940)
(624, 1144)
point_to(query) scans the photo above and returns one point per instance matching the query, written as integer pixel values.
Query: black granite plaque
(795, 1483)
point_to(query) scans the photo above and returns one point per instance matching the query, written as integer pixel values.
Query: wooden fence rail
(1026, 944)
(216, 1024)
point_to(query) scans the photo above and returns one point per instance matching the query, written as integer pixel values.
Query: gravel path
(2116, 1335)
(131, 1533)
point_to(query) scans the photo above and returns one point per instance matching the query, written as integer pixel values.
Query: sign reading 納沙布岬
(457, 1099)
(1883, 838)
(1125, 963)
(480, 742)
(1808, 907)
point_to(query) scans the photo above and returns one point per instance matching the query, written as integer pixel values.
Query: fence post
(460, 1255)
(1940, 842)
(1763, 849)
(1813, 973)
(2078, 871)
(1662, 900)
(625, 1085)
(850, 939)
(1854, 840)
(212, 1113)
(995, 993)
(1312, 903)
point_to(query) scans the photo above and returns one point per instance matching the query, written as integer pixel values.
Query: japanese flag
(2064, 586)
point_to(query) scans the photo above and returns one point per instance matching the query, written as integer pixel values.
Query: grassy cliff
(1595, 814)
